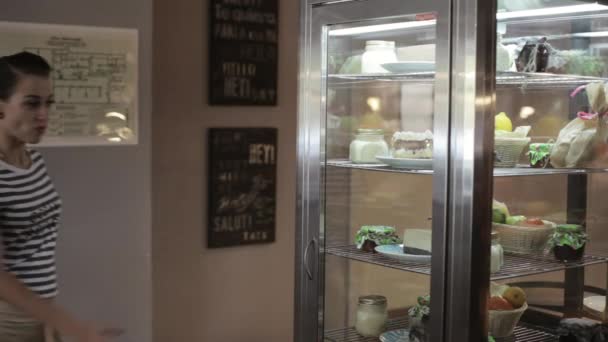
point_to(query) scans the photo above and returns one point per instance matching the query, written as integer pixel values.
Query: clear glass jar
(497, 254)
(372, 315)
(368, 144)
(504, 61)
(377, 52)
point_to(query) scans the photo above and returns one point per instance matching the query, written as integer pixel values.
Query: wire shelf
(503, 79)
(522, 334)
(516, 265)
(520, 170)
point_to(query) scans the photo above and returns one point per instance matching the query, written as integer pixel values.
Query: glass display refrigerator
(452, 170)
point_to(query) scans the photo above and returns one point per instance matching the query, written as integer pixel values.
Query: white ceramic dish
(595, 304)
(409, 67)
(399, 335)
(395, 252)
(403, 163)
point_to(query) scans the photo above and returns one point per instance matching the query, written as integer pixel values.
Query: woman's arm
(16, 293)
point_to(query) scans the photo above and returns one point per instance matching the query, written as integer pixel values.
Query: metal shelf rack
(503, 79)
(522, 333)
(516, 265)
(520, 170)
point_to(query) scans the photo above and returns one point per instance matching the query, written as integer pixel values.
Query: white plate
(403, 163)
(407, 67)
(399, 335)
(396, 252)
(595, 304)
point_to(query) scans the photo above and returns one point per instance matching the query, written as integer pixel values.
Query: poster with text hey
(242, 186)
(243, 52)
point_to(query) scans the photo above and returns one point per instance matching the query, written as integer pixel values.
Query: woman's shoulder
(35, 156)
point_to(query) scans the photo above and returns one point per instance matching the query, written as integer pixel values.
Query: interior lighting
(500, 16)
(551, 11)
(116, 115)
(526, 112)
(373, 103)
(382, 27)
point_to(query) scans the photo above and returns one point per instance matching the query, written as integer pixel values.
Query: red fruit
(498, 303)
(534, 221)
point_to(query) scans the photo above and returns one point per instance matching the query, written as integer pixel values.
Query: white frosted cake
(412, 145)
(418, 239)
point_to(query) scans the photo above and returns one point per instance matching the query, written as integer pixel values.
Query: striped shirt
(30, 209)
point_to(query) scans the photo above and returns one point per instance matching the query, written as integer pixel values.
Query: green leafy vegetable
(568, 235)
(422, 309)
(498, 216)
(381, 235)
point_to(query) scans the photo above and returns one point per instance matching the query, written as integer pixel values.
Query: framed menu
(242, 186)
(243, 52)
(95, 80)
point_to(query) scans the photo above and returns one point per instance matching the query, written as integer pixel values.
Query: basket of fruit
(520, 234)
(505, 307)
(508, 143)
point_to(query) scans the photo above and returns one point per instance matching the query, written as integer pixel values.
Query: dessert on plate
(417, 241)
(412, 145)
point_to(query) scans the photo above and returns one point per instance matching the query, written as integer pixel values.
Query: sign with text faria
(242, 186)
(243, 52)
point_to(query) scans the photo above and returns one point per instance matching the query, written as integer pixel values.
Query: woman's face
(26, 112)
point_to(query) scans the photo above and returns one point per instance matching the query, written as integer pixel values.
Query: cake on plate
(412, 145)
(417, 241)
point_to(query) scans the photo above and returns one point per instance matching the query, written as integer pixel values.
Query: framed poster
(242, 186)
(243, 52)
(94, 80)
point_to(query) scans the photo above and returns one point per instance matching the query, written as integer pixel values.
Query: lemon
(502, 122)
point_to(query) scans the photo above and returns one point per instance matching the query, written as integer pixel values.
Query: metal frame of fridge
(463, 161)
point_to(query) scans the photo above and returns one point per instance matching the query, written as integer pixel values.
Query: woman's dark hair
(22, 63)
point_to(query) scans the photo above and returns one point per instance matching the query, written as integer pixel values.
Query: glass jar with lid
(497, 254)
(372, 315)
(377, 52)
(368, 144)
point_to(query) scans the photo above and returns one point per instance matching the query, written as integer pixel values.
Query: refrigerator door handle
(306, 264)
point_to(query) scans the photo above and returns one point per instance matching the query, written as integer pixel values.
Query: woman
(29, 211)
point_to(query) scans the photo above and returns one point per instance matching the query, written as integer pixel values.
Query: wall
(104, 246)
(233, 294)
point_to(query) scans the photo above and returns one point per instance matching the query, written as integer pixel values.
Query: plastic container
(377, 52)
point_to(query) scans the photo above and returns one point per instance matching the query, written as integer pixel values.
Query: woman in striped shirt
(29, 211)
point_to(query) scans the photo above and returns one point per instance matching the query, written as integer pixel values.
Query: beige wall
(233, 294)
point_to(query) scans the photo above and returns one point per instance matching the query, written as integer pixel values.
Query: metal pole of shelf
(574, 278)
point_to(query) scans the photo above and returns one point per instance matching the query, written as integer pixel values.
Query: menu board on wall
(242, 186)
(243, 52)
(94, 79)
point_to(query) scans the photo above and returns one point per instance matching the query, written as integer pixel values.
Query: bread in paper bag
(575, 142)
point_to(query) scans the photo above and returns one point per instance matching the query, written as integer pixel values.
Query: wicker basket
(502, 323)
(508, 150)
(518, 239)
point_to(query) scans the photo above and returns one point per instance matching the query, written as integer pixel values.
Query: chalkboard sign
(243, 52)
(242, 186)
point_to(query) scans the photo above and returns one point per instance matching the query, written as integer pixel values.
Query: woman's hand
(90, 333)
